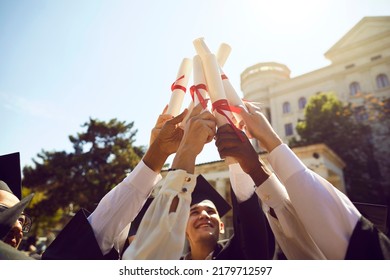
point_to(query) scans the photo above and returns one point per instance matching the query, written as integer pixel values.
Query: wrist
(184, 159)
(260, 174)
(155, 158)
(272, 143)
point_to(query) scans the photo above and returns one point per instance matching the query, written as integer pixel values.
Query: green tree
(344, 129)
(68, 181)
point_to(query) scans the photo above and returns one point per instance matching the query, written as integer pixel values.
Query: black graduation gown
(77, 242)
(368, 243)
(8, 252)
(253, 238)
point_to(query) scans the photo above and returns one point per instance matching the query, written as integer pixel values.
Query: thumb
(196, 111)
(245, 113)
(179, 118)
(251, 107)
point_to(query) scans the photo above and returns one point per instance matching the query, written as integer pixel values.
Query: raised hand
(230, 145)
(167, 133)
(256, 125)
(199, 130)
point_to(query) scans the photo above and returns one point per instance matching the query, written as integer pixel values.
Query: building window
(288, 129)
(286, 108)
(301, 103)
(382, 81)
(354, 88)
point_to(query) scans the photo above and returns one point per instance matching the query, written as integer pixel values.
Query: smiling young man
(204, 224)
(203, 229)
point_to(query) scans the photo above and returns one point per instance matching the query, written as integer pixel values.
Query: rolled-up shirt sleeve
(117, 209)
(326, 213)
(161, 234)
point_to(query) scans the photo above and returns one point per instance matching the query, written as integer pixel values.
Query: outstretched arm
(327, 214)
(161, 234)
(111, 219)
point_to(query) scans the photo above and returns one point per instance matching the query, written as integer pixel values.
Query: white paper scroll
(178, 94)
(213, 78)
(223, 53)
(231, 94)
(199, 79)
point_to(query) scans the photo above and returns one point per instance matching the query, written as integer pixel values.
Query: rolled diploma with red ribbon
(199, 89)
(200, 94)
(214, 85)
(232, 96)
(179, 87)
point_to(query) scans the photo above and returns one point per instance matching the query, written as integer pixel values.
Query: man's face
(204, 223)
(15, 235)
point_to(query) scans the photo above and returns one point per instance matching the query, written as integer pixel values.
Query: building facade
(360, 66)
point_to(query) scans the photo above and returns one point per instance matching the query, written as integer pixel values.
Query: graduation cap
(205, 191)
(137, 221)
(376, 213)
(9, 216)
(10, 174)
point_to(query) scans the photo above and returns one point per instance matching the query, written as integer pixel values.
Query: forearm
(288, 230)
(121, 205)
(184, 159)
(327, 214)
(155, 157)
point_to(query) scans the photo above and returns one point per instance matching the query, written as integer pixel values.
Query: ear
(221, 227)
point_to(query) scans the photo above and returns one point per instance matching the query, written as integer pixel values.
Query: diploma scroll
(214, 85)
(231, 94)
(179, 87)
(199, 89)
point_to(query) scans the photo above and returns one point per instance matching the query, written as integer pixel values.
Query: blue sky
(62, 62)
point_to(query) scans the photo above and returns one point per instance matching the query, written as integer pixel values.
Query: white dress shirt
(326, 213)
(288, 230)
(112, 217)
(161, 235)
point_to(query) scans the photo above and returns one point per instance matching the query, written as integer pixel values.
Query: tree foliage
(350, 131)
(68, 181)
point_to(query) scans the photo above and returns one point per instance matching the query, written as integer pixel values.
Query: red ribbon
(195, 90)
(224, 77)
(175, 86)
(221, 106)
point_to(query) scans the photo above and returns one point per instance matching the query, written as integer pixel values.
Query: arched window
(382, 81)
(288, 129)
(301, 103)
(354, 88)
(286, 108)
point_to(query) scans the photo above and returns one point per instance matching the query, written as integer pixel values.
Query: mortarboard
(137, 221)
(10, 215)
(10, 173)
(376, 213)
(205, 191)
